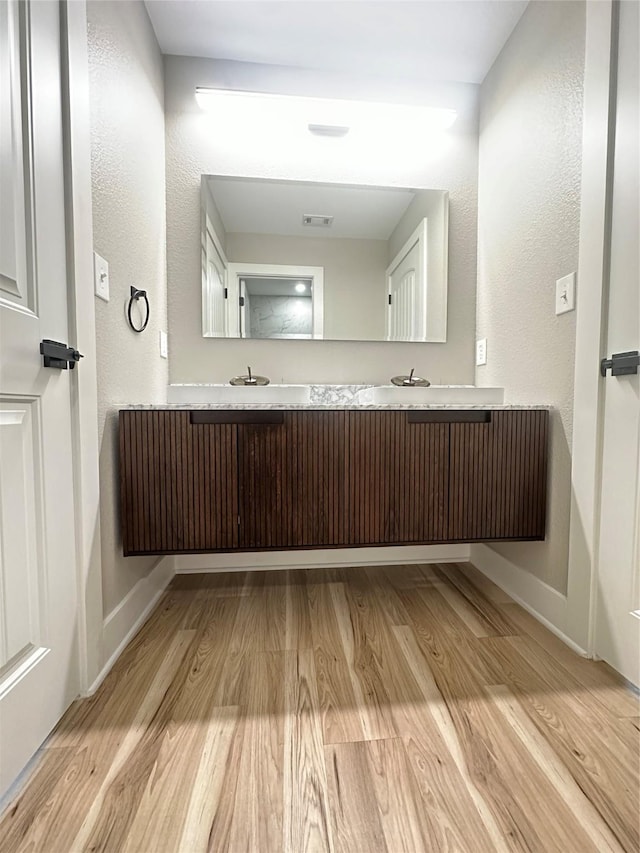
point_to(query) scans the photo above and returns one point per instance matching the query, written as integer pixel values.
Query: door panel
(178, 483)
(397, 476)
(407, 290)
(267, 486)
(617, 628)
(38, 663)
(498, 477)
(20, 531)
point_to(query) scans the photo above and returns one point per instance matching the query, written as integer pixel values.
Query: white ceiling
(255, 206)
(453, 40)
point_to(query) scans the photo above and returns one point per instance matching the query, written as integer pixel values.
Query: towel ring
(135, 295)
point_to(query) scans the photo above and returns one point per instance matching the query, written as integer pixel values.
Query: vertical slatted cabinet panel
(178, 483)
(397, 479)
(265, 477)
(318, 447)
(291, 478)
(498, 477)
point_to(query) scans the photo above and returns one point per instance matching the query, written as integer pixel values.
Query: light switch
(164, 345)
(101, 276)
(481, 352)
(566, 293)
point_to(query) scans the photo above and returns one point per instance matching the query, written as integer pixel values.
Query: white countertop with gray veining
(333, 397)
(331, 406)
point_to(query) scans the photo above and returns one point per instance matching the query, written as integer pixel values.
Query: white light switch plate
(164, 345)
(566, 293)
(101, 276)
(481, 352)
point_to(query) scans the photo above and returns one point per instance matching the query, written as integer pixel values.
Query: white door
(215, 292)
(407, 290)
(617, 637)
(38, 654)
(245, 310)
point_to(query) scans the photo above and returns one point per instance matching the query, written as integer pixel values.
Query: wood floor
(358, 710)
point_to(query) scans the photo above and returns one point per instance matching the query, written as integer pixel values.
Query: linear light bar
(322, 116)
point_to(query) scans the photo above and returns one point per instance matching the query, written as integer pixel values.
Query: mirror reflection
(302, 260)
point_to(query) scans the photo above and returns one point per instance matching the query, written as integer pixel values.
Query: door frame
(82, 330)
(593, 258)
(235, 271)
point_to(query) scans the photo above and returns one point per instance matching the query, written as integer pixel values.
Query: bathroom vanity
(272, 477)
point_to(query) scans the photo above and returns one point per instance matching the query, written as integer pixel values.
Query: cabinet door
(397, 479)
(498, 477)
(292, 481)
(178, 483)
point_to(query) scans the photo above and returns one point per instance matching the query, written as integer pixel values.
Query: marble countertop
(330, 406)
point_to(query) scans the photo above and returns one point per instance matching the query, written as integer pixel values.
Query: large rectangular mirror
(296, 259)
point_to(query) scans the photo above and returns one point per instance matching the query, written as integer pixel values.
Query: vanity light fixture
(323, 117)
(300, 287)
(333, 130)
(317, 220)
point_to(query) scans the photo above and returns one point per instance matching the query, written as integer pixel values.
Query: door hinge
(242, 301)
(226, 293)
(389, 299)
(238, 521)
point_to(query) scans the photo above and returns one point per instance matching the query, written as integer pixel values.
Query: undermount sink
(460, 395)
(193, 394)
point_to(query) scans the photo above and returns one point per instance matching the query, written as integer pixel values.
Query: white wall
(128, 167)
(192, 149)
(354, 277)
(528, 231)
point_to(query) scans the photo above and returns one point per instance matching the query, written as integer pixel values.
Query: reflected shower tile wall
(280, 316)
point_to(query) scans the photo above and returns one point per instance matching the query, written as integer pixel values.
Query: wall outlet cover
(101, 277)
(164, 345)
(566, 293)
(481, 352)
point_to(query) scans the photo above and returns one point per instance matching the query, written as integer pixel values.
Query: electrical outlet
(164, 345)
(566, 293)
(481, 352)
(101, 277)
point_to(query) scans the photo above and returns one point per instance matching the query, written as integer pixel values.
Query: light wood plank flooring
(358, 710)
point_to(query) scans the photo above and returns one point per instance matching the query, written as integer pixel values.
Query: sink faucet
(410, 381)
(249, 379)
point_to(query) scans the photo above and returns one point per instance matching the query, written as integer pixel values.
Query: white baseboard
(126, 619)
(542, 601)
(325, 558)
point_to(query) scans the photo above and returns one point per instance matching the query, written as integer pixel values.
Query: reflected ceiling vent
(315, 220)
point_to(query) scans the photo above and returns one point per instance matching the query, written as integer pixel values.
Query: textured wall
(354, 277)
(192, 150)
(127, 154)
(528, 230)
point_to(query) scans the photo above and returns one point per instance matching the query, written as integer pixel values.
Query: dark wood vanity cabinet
(178, 484)
(212, 480)
(498, 477)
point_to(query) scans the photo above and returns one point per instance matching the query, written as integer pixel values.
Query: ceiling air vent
(316, 220)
